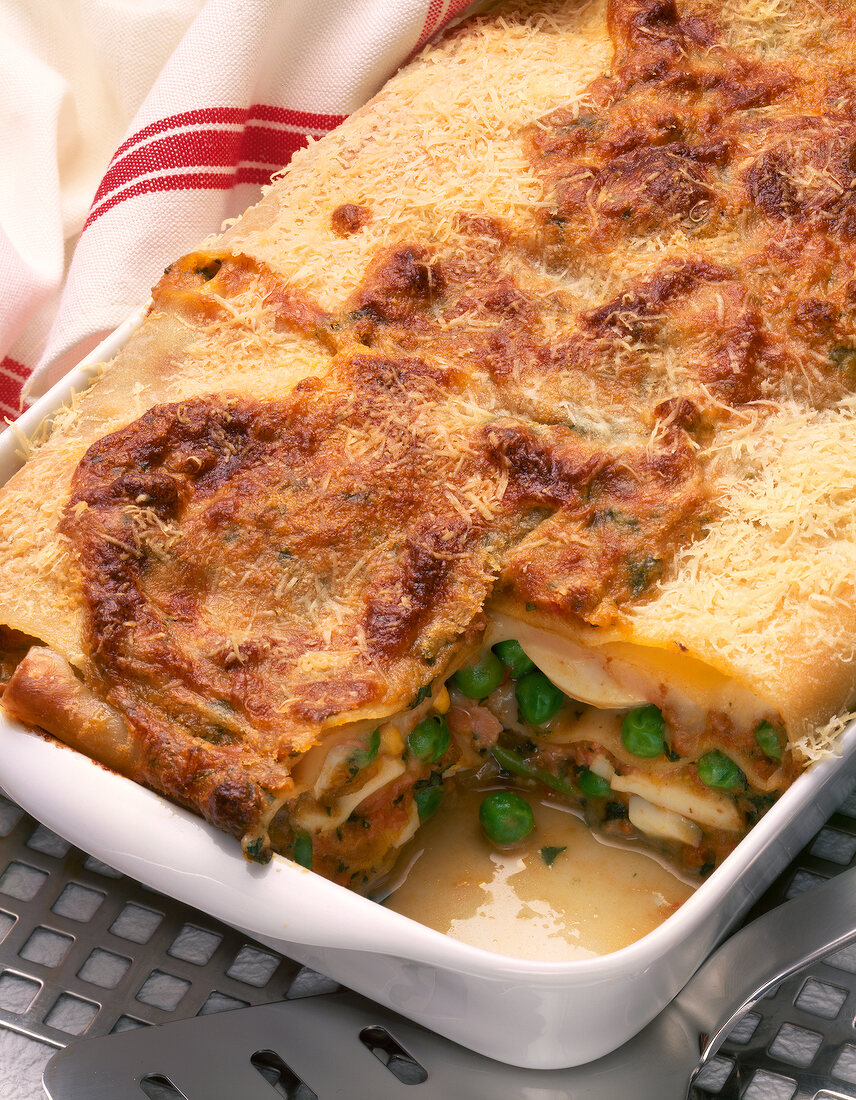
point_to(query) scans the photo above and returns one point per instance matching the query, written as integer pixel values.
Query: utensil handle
(765, 952)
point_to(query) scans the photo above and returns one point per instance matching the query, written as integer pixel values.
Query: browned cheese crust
(258, 571)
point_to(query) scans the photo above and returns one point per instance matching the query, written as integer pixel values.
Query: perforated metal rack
(799, 1042)
(87, 951)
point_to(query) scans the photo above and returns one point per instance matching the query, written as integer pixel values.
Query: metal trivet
(799, 1042)
(85, 951)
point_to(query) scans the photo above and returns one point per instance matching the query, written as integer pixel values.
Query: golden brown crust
(525, 405)
(44, 691)
(606, 546)
(254, 571)
(202, 285)
(747, 162)
(349, 218)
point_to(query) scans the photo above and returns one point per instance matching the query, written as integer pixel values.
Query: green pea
(303, 850)
(593, 785)
(477, 681)
(506, 817)
(768, 741)
(642, 731)
(430, 739)
(512, 656)
(538, 698)
(427, 801)
(716, 770)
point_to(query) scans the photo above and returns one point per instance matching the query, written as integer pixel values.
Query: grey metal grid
(798, 1042)
(87, 951)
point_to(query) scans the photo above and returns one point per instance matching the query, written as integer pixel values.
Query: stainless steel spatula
(343, 1046)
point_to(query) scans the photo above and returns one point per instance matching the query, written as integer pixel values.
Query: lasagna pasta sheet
(554, 340)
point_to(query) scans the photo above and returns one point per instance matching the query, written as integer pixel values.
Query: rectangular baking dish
(528, 1013)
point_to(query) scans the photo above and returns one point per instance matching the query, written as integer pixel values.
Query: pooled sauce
(592, 898)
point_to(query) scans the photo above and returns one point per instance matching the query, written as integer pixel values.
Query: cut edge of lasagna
(574, 371)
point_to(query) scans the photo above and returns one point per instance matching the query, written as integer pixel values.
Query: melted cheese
(770, 593)
(608, 321)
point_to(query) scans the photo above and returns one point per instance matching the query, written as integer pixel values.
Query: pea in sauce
(590, 899)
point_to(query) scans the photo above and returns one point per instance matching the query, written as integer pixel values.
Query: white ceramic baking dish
(536, 1014)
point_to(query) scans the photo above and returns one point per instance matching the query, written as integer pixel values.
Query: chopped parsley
(362, 757)
(843, 357)
(303, 850)
(209, 270)
(253, 849)
(641, 571)
(420, 696)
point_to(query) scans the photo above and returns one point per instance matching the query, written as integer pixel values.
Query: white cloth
(130, 129)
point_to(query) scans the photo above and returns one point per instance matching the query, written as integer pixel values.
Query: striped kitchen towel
(132, 130)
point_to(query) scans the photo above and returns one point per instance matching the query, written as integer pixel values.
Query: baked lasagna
(509, 438)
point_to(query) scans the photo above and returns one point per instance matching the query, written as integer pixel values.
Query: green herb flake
(843, 357)
(216, 735)
(209, 270)
(303, 850)
(614, 516)
(420, 696)
(761, 802)
(253, 849)
(642, 572)
(362, 757)
(549, 853)
(514, 764)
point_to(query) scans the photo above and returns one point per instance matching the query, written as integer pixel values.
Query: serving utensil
(343, 1046)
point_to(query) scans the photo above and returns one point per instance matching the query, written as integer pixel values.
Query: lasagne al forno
(510, 437)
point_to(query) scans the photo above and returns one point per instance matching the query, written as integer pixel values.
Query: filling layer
(678, 755)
